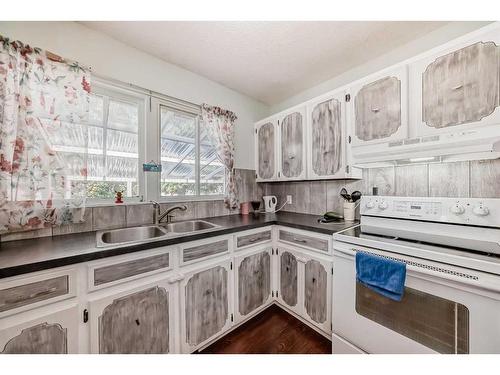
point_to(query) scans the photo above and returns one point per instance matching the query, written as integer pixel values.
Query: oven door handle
(422, 270)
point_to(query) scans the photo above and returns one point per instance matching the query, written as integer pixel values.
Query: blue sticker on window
(151, 167)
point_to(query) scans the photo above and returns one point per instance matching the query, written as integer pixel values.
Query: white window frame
(102, 87)
(153, 151)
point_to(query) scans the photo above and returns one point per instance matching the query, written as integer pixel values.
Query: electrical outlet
(289, 199)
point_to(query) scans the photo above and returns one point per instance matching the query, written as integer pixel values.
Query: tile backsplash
(114, 216)
(476, 179)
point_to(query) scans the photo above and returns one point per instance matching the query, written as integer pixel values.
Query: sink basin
(189, 226)
(134, 234)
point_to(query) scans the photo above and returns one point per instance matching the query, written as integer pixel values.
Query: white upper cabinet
(292, 155)
(266, 161)
(457, 87)
(328, 152)
(379, 108)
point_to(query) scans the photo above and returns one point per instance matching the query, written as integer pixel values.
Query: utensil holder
(350, 211)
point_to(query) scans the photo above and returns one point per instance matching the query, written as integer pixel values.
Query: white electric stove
(452, 297)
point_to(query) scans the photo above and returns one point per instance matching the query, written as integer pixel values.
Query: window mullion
(105, 136)
(197, 157)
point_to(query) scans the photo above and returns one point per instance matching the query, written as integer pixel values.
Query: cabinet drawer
(123, 270)
(254, 238)
(30, 293)
(205, 250)
(303, 240)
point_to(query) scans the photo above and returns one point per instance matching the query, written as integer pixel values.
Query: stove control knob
(383, 205)
(369, 205)
(480, 210)
(457, 209)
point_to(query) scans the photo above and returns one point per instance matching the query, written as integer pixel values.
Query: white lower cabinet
(253, 278)
(205, 304)
(304, 286)
(317, 288)
(134, 319)
(52, 329)
(290, 278)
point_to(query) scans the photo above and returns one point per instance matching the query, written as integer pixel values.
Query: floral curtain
(220, 128)
(44, 103)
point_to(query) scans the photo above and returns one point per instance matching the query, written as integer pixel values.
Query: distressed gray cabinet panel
(288, 278)
(26, 294)
(266, 139)
(136, 324)
(254, 282)
(205, 250)
(377, 109)
(462, 86)
(300, 239)
(315, 289)
(207, 307)
(251, 239)
(107, 274)
(292, 129)
(326, 139)
(42, 338)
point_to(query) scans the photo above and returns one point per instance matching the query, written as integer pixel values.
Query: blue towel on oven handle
(384, 276)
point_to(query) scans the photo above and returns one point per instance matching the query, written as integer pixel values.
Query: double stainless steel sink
(152, 232)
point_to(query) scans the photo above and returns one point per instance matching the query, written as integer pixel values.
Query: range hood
(471, 145)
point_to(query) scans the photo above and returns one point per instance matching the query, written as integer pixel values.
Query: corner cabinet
(458, 88)
(137, 320)
(280, 146)
(328, 148)
(266, 141)
(379, 108)
(253, 282)
(206, 304)
(290, 278)
(292, 145)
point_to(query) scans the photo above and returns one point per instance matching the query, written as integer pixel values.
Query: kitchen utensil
(270, 202)
(330, 217)
(356, 196)
(345, 195)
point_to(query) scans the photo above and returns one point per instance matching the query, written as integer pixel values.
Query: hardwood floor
(273, 331)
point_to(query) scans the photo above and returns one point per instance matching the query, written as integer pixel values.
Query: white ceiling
(269, 61)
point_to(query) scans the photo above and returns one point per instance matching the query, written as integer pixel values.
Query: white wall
(111, 58)
(413, 48)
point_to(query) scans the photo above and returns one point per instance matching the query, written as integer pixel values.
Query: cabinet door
(317, 290)
(43, 331)
(379, 110)
(289, 279)
(458, 88)
(265, 150)
(253, 278)
(205, 304)
(326, 141)
(292, 145)
(134, 321)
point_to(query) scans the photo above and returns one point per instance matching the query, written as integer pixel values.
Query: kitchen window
(116, 124)
(190, 165)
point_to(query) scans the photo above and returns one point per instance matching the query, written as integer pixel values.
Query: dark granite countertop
(19, 257)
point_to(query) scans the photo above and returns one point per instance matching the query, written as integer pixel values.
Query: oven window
(435, 322)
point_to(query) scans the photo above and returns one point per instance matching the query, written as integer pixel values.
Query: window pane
(96, 110)
(123, 116)
(178, 152)
(212, 171)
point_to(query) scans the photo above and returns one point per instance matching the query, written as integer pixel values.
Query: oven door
(445, 309)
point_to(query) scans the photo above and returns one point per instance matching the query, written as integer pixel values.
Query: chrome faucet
(158, 216)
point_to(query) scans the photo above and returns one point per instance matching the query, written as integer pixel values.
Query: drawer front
(303, 240)
(118, 271)
(202, 251)
(254, 238)
(26, 294)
